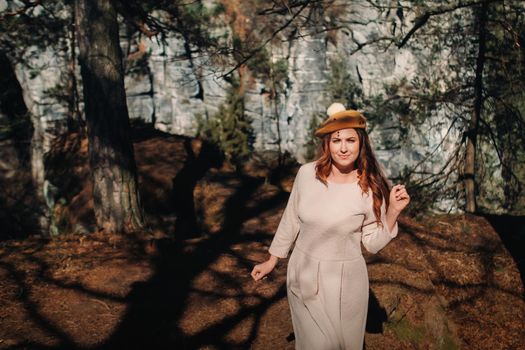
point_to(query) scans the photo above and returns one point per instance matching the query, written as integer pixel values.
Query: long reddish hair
(370, 173)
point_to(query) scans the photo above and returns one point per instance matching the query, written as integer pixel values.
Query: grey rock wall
(171, 90)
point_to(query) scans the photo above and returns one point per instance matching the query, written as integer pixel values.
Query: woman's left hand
(399, 198)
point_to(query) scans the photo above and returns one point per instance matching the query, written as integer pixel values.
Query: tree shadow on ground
(463, 270)
(156, 307)
(511, 230)
(32, 309)
(375, 318)
(376, 315)
(30, 282)
(201, 157)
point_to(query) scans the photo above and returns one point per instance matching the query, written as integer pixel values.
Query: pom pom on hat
(340, 118)
(335, 108)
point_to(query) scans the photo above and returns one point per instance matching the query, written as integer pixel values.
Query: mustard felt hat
(340, 118)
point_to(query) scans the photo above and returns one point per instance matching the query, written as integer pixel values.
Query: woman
(337, 202)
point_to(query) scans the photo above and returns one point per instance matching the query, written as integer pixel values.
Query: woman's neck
(338, 175)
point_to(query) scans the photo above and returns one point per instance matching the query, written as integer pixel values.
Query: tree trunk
(470, 159)
(274, 97)
(113, 169)
(74, 120)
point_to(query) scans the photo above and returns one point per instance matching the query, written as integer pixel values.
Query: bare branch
(360, 46)
(420, 22)
(423, 19)
(286, 8)
(274, 34)
(436, 148)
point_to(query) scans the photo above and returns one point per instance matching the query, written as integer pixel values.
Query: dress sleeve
(375, 237)
(288, 228)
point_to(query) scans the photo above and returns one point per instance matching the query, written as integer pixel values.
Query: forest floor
(446, 281)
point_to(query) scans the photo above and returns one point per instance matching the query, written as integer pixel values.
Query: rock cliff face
(175, 89)
(170, 89)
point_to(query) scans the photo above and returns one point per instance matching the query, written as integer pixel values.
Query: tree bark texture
(115, 193)
(470, 157)
(74, 120)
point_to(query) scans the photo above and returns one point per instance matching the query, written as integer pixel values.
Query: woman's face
(344, 148)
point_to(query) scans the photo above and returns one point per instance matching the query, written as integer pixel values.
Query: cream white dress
(327, 279)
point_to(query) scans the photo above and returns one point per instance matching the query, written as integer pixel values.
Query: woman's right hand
(262, 269)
